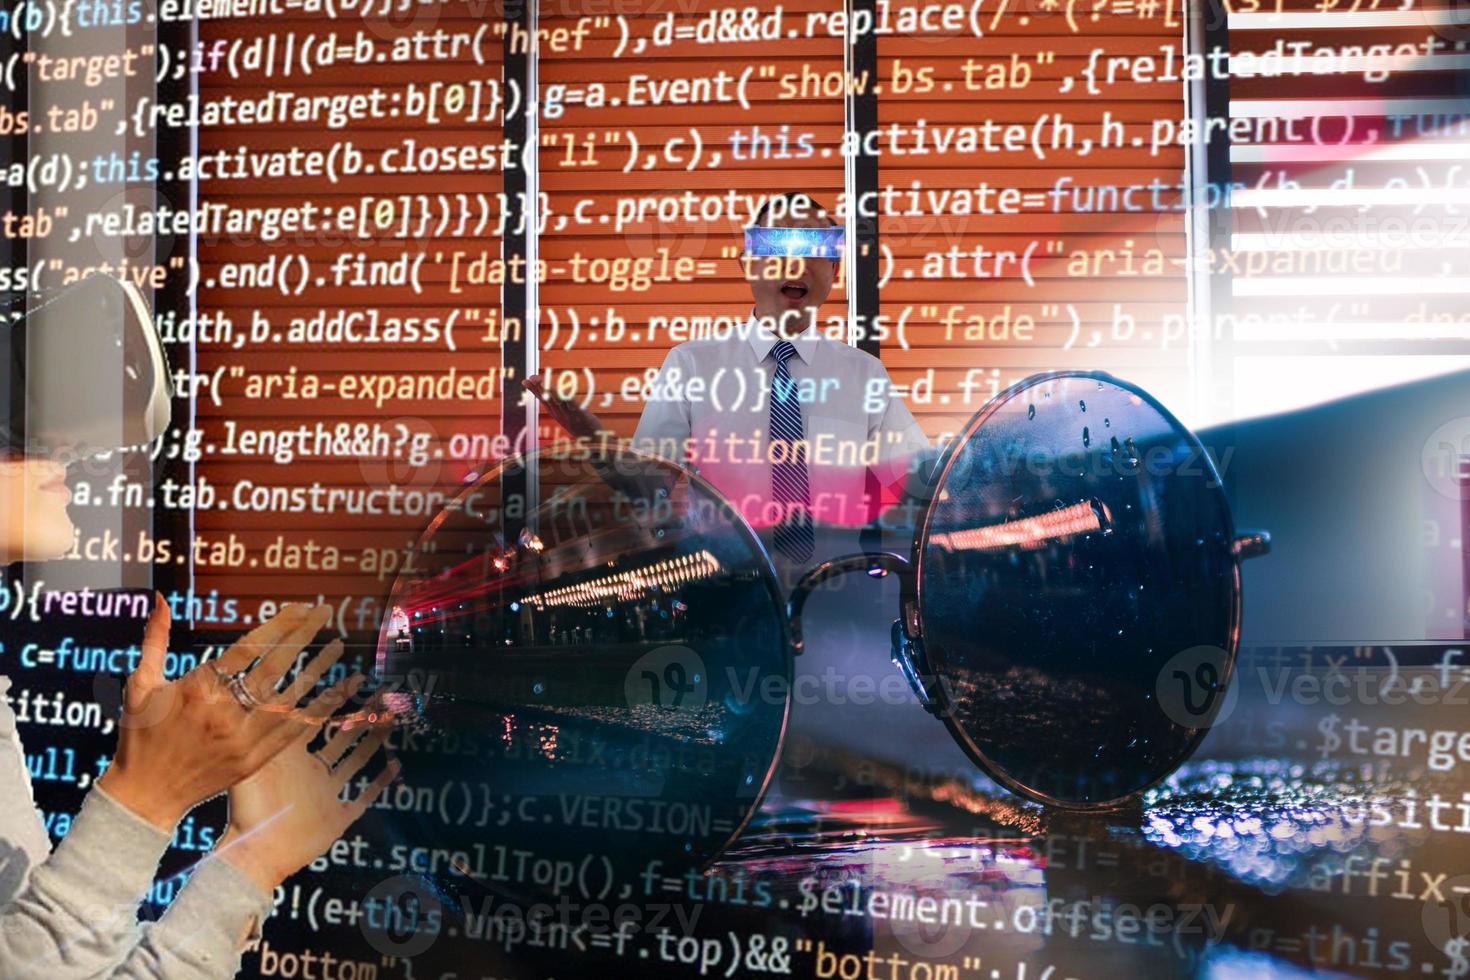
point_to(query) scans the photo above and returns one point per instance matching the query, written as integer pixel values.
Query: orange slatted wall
(1110, 314)
(415, 218)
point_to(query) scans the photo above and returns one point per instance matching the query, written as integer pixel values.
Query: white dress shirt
(709, 406)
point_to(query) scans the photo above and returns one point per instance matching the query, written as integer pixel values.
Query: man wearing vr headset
(72, 912)
(794, 455)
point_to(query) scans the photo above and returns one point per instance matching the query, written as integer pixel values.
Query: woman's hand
(184, 741)
(291, 811)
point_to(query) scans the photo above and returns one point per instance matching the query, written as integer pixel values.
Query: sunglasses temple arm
(1252, 544)
(875, 563)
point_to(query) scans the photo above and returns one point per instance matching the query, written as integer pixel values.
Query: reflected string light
(630, 585)
(1028, 532)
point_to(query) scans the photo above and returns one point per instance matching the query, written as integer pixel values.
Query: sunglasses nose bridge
(874, 563)
(906, 635)
(908, 655)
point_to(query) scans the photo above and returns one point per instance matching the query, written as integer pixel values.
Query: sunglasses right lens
(1078, 548)
(602, 675)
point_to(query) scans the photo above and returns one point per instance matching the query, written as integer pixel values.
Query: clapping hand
(291, 810)
(184, 741)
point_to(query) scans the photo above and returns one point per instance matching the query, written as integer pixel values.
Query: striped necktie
(793, 533)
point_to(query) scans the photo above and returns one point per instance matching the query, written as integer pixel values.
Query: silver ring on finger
(237, 687)
(326, 763)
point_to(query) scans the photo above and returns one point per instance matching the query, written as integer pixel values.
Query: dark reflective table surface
(1312, 833)
(1323, 828)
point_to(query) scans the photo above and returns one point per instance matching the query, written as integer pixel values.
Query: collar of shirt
(762, 338)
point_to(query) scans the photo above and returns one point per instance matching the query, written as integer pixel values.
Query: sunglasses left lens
(575, 680)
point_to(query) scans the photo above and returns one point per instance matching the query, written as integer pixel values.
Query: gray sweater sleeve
(77, 915)
(74, 913)
(203, 932)
(24, 842)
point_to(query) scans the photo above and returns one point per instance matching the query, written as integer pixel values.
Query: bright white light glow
(1338, 20)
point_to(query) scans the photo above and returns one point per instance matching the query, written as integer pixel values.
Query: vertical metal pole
(861, 118)
(860, 56)
(13, 251)
(172, 144)
(1207, 30)
(519, 314)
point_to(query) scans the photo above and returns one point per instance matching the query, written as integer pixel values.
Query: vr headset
(87, 373)
(796, 243)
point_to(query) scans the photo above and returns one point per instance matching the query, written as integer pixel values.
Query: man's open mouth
(794, 290)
